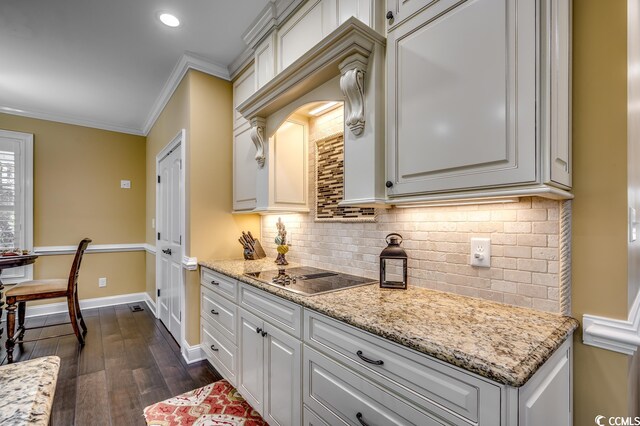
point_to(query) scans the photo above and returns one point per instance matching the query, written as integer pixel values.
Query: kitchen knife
(253, 240)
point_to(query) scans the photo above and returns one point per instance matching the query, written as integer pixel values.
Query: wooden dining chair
(26, 291)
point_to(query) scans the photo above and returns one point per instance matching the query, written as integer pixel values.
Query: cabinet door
(251, 365)
(243, 87)
(244, 171)
(462, 97)
(283, 363)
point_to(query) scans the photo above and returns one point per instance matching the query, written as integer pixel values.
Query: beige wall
(77, 173)
(174, 118)
(202, 105)
(600, 206)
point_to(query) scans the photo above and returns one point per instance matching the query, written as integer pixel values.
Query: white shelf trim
(190, 263)
(93, 248)
(613, 334)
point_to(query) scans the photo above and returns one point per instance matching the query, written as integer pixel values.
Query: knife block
(256, 253)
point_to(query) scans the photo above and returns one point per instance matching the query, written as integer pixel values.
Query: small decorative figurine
(281, 241)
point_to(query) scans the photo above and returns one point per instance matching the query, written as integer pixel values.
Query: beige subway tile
(504, 215)
(531, 290)
(478, 216)
(549, 227)
(517, 276)
(533, 265)
(553, 293)
(504, 286)
(518, 300)
(467, 291)
(517, 251)
(504, 262)
(552, 241)
(553, 213)
(504, 239)
(546, 305)
(544, 253)
(553, 266)
(495, 296)
(491, 227)
(532, 240)
(517, 227)
(531, 215)
(457, 258)
(549, 280)
(493, 273)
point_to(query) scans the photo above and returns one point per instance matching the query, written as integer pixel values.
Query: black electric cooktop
(309, 281)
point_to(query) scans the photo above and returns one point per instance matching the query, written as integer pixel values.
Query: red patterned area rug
(217, 404)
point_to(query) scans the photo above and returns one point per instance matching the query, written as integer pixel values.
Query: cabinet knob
(258, 330)
(213, 348)
(389, 184)
(359, 417)
(214, 312)
(264, 334)
(389, 15)
(215, 283)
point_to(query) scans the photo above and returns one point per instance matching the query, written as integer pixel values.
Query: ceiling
(105, 63)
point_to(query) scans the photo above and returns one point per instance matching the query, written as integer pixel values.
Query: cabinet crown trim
(317, 66)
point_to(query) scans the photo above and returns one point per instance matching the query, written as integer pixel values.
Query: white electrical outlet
(125, 184)
(481, 252)
(102, 282)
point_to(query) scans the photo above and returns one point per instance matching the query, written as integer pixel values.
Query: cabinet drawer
(309, 418)
(339, 395)
(220, 312)
(219, 351)
(426, 382)
(220, 284)
(280, 312)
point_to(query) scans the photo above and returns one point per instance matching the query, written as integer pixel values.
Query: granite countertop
(501, 342)
(26, 391)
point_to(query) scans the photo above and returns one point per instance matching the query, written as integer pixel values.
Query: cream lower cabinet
(296, 366)
(269, 370)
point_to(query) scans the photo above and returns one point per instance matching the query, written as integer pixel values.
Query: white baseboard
(613, 334)
(152, 305)
(190, 353)
(98, 302)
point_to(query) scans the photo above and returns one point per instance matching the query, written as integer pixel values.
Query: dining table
(7, 262)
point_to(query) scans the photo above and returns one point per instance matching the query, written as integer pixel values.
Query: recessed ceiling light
(169, 20)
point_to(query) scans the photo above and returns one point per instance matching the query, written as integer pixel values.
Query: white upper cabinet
(265, 61)
(244, 170)
(477, 99)
(282, 182)
(244, 163)
(243, 87)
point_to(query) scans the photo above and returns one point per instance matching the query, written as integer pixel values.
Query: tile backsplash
(524, 242)
(524, 248)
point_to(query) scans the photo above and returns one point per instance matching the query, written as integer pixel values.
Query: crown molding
(241, 63)
(266, 20)
(187, 61)
(76, 121)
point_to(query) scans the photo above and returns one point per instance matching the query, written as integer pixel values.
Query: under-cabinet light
(323, 108)
(460, 202)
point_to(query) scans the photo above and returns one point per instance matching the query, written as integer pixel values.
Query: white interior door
(168, 248)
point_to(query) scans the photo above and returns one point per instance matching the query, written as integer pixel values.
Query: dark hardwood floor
(129, 361)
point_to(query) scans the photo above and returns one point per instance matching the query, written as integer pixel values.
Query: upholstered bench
(26, 391)
(218, 403)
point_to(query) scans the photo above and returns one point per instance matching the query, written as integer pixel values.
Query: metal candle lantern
(394, 254)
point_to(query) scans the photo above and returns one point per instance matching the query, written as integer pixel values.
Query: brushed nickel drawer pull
(369, 360)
